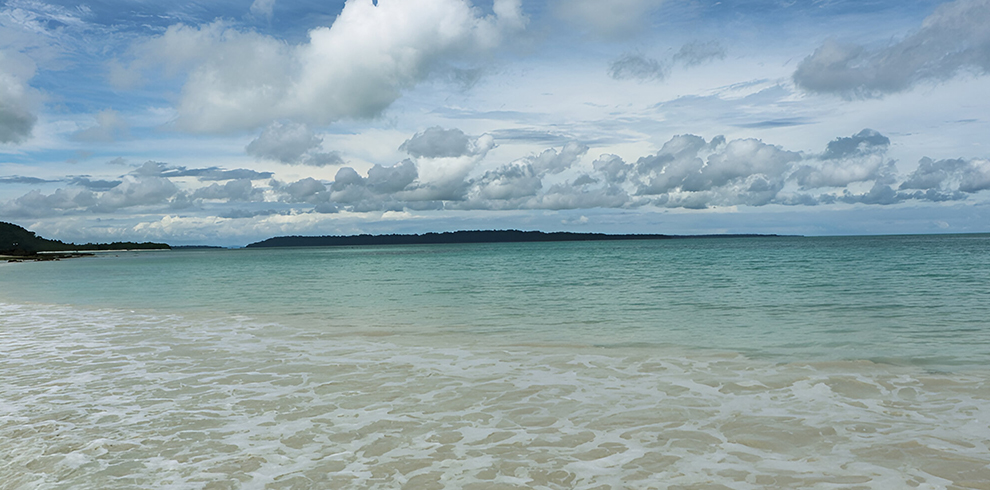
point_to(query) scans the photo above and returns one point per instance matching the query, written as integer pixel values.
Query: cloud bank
(449, 170)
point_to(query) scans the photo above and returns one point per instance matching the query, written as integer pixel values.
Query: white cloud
(553, 162)
(292, 144)
(132, 190)
(37, 204)
(687, 172)
(355, 68)
(306, 190)
(857, 158)
(953, 39)
(387, 180)
(865, 142)
(437, 142)
(561, 196)
(507, 182)
(234, 190)
(444, 177)
(839, 173)
(137, 191)
(960, 175)
(691, 173)
(382, 185)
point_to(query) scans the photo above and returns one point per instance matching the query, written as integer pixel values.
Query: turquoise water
(914, 299)
(839, 362)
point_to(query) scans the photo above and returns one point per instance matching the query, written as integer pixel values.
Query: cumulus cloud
(857, 158)
(690, 172)
(953, 39)
(447, 156)
(136, 191)
(387, 180)
(612, 19)
(131, 191)
(234, 190)
(550, 161)
(950, 175)
(354, 68)
(443, 160)
(562, 196)
(37, 204)
(637, 67)
(516, 184)
(437, 142)
(742, 159)
(508, 182)
(865, 142)
(880, 193)
(292, 144)
(382, 185)
(148, 185)
(839, 173)
(306, 190)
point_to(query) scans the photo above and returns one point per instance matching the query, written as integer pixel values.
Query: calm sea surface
(847, 362)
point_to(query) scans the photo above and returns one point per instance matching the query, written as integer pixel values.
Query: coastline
(44, 257)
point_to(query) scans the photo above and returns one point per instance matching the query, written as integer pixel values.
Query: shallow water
(814, 363)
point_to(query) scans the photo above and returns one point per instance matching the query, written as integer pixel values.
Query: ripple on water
(107, 399)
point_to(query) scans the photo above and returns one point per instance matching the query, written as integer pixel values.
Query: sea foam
(104, 399)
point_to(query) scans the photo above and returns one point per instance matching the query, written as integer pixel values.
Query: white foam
(99, 399)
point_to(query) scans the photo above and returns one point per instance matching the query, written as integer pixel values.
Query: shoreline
(44, 257)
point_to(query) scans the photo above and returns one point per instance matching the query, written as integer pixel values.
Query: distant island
(476, 236)
(20, 243)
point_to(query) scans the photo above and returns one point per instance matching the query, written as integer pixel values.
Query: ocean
(739, 363)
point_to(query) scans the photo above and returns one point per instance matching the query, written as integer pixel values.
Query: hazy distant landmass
(21, 242)
(487, 236)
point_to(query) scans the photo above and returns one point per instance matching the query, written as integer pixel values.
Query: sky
(228, 122)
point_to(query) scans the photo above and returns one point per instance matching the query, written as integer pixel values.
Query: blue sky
(233, 121)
